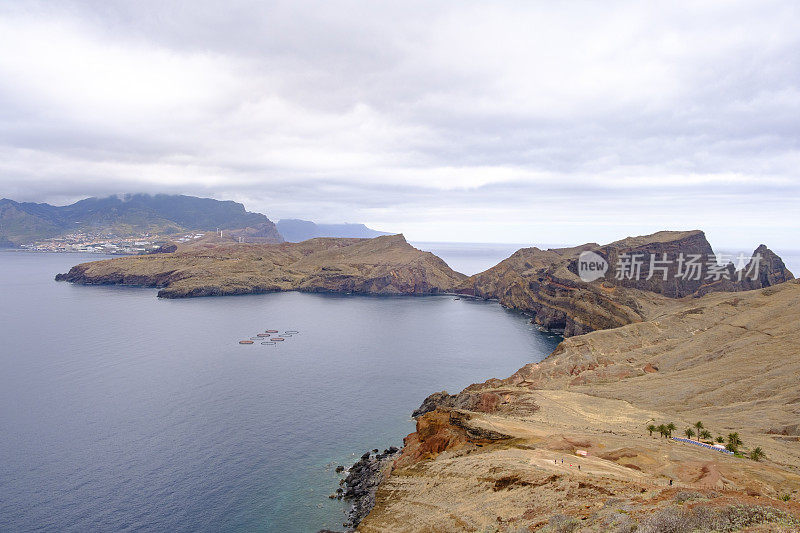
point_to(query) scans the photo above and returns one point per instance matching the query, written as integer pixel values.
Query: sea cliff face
(383, 265)
(546, 282)
(564, 445)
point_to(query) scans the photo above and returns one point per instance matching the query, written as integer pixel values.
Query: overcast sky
(557, 122)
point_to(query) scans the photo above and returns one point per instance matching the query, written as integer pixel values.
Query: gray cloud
(453, 120)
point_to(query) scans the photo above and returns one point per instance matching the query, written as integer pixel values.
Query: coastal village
(108, 243)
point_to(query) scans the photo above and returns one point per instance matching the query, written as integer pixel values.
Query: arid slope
(490, 456)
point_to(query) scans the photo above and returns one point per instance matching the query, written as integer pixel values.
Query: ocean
(123, 412)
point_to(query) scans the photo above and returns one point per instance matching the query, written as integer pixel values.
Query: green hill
(23, 222)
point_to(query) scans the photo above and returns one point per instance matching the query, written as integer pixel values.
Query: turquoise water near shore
(120, 411)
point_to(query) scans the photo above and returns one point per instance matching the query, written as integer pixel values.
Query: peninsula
(214, 266)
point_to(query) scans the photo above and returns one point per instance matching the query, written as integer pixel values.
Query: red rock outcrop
(441, 430)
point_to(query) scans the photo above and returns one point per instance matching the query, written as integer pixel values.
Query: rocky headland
(215, 266)
(546, 283)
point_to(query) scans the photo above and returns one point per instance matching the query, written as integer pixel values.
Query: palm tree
(651, 428)
(720, 439)
(689, 433)
(733, 442)
(662, 429)
(757, 454)
(705, 435)
(670, 429)
(698, 426)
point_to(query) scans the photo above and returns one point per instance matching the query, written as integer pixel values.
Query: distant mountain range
(296, 230)
(160, 214)
(23, 222)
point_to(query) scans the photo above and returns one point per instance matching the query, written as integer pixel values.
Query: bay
(123, 412)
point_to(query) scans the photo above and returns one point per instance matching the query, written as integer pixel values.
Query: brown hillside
(546, 282)
(490, 456)
(215, 266)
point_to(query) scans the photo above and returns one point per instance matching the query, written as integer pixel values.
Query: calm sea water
(470, 258)
(123, 412)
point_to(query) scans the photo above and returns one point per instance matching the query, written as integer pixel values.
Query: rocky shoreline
(361, 482)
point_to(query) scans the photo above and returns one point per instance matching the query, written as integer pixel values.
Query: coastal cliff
(564, 445)
(546, 283)
(215, 266)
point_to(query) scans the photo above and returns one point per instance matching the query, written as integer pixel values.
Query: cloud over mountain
(463, 120)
